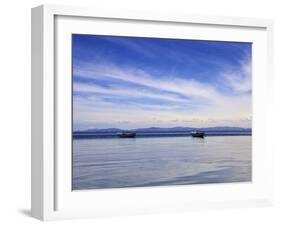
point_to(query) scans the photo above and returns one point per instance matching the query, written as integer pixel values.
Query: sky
(133, 82)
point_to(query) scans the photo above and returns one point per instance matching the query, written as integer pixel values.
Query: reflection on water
(112, 163)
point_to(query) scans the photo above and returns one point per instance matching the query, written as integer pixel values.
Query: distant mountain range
(173, 129)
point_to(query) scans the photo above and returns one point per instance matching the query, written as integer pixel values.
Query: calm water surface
(134, 162)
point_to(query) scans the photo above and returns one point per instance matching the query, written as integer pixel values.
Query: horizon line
(165, 128)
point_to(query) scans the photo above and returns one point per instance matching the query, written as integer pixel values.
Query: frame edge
(37, 162)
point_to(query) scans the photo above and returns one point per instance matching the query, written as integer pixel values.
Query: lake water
(155, 161)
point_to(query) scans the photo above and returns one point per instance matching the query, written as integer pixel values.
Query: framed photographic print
(137, 113)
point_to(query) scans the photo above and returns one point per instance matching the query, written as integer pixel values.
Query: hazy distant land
(172, 129)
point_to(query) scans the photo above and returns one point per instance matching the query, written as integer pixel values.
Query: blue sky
(129, 82)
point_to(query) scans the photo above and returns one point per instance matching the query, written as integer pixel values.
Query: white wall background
(15, 111)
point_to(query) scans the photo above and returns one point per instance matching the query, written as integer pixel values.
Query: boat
(127, 135)
(198, 134)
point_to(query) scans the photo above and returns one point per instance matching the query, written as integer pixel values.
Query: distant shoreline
(114, 135)
(169, 129)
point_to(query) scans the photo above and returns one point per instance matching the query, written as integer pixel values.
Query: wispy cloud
(240, 81)
(139, 77)
(114, 91)
(132, 45)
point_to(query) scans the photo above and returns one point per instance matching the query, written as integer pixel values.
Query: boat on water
(127, 135)
(198, 134)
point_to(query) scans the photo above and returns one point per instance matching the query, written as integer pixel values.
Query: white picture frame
(52, 197)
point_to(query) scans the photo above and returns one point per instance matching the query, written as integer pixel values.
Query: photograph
(151, 111)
